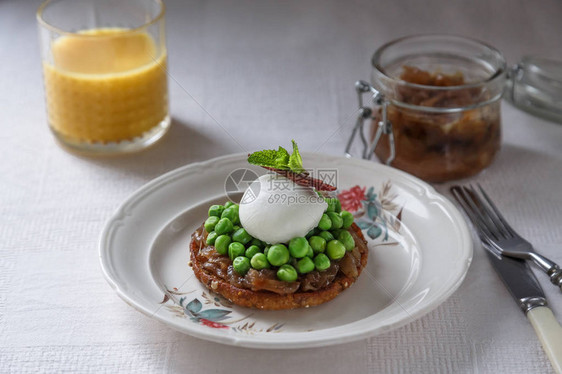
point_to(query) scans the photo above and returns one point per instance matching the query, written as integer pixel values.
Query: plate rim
(115, 220)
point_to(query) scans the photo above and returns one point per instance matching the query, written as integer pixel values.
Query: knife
(527, 292)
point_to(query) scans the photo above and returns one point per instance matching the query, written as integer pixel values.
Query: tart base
(267, 300)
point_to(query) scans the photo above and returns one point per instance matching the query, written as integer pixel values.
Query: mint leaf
(278, 159)
(295, 161)
(263, 158)
(282, 160)
(271, 158)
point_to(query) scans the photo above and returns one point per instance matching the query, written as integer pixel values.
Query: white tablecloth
(266, 71)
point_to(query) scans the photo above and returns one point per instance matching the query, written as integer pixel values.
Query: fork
(496, 234)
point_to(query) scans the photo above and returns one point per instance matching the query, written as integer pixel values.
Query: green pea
(347, 219)
(235, 228)
(231, 214)
(259, 261)
(287, 273)
(337, 221)
(210, 223)
(257, 242)
(216, 210)
(331, 205)
(266, 249)
(241, 265)
(278, 255)
(311, 233)
(228, 204)
(335, 249)
(223, 226)
(236, 210)
(241, 236)
(326, 235)
(298, 247)
(252, 250)
(336, 233)
(325, 222)
(221, 244)
(211, 238)
(321, 262)
(310, 252)
(338, 206)
(305, 265)
(347, 239)
(317, 243)
(236, 249)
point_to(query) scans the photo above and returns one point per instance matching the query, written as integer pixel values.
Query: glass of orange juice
(105, 73)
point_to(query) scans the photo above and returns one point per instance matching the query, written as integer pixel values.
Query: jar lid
(535, 86)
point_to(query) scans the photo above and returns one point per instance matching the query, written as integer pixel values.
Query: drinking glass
(105, 73)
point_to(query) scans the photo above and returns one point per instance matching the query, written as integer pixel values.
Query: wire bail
(384, 126)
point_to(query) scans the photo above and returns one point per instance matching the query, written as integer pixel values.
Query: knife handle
(549, 332)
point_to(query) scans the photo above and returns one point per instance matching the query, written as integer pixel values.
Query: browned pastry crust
(267, 300)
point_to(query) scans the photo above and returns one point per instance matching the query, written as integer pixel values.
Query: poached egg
(274, 209)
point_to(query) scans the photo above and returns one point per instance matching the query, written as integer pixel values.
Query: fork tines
(483, 213)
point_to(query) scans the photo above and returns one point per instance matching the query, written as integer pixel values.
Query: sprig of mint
(278, 159)
(295, 161)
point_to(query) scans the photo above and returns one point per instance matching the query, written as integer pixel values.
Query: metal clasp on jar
(384, 126)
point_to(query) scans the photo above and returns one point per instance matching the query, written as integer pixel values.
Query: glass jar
(439, 103)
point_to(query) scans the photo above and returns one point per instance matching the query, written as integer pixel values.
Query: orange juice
(105, 85)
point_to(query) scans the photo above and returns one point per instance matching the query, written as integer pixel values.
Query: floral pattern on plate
(212, 317)
(375, 213)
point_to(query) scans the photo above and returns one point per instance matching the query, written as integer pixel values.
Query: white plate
(144, 255)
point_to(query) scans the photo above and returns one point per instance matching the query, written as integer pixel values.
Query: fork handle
(549, 332)
(555, 274)
(549, 267)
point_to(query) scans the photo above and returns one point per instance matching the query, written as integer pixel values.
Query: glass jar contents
(443, 106)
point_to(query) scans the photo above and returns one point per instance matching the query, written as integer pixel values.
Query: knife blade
(518, 279)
